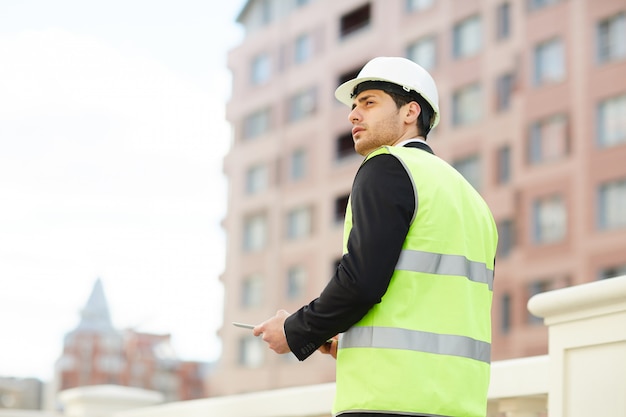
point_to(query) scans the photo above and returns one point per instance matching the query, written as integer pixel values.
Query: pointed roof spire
(95, 316)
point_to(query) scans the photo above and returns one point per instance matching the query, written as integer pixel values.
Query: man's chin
(361, 150)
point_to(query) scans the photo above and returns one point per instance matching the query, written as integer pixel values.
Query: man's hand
(273, 332)
(330, 347)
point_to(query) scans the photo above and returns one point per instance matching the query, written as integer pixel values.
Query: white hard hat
(397, 70)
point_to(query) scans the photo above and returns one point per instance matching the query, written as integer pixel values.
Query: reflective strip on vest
(396, 338)
(436, 263)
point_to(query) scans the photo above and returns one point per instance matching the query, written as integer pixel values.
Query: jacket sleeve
(383, 204)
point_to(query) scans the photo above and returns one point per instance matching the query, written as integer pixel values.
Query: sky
(112, 134)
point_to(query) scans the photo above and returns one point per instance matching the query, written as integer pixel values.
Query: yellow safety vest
(425, 348)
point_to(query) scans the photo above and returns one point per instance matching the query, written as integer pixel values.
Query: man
(412, 294)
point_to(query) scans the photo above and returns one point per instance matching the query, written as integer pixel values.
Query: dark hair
(401, 97)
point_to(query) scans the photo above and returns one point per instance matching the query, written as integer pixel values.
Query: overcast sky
(112, 133)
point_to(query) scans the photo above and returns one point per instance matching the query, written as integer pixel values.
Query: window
(256, 124)
(549, 62)
(504, 91)
(467, 38)
(611, 38)
(252, 291)
(612, 205)
(260, 72)
(303, 50)
(467, 105)
(506, 238)
(470, 169)
(417, 5)
(423, 51)
(256, 179)
(344, 146)
(505, 311)
(534, 288)
(503, 21)
(301, 105)
(549, 220)
(540, 4)
(612, 272)
(355, 20)
(299, 223)
(548, 140)
(254, 232)
(298, 164)
(503, 165)
(341, 205)
(612, 121)
(266, 11)
(348, 76)
(251, 351)
(296, 282)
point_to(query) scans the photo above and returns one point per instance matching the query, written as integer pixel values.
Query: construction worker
(411, 297)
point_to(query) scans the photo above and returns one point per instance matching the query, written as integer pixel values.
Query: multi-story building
(533, 103)
(96, 353)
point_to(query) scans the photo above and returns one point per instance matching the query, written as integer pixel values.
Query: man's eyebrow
(363, 98)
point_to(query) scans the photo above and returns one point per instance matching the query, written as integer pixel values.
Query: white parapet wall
(306, 401)
(587, 348)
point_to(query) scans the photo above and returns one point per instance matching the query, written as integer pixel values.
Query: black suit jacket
(383, 204)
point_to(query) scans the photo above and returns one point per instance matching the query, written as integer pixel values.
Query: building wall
(573, 169)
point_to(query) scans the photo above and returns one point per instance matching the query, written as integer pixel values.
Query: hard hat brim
(343, 93)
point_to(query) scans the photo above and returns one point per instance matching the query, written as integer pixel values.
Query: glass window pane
(423, 52)
(549, 62)
(467, 105)
(612, 121)
(298, 164)
(296, 282)
(299, 223)
(303, 49)
(467, 37)
(612, 205)
(470, 168)
(416, 5)
(255, 232)
(549, 220)
(260, 72)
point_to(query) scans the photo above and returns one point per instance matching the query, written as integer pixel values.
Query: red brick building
(96, 353)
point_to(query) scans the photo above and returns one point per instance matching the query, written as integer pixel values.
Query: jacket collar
(420, 145)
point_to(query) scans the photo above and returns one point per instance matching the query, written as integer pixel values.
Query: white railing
(584, 373)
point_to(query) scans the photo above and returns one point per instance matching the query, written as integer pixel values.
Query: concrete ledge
(111, 392)
(104, 400)
(585, 300)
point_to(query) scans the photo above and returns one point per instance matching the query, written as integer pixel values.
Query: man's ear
(413, 111)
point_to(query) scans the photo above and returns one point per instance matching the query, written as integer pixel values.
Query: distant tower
(93, 351)
(95, 316)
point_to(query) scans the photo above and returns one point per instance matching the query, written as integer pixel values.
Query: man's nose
(354, 116)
